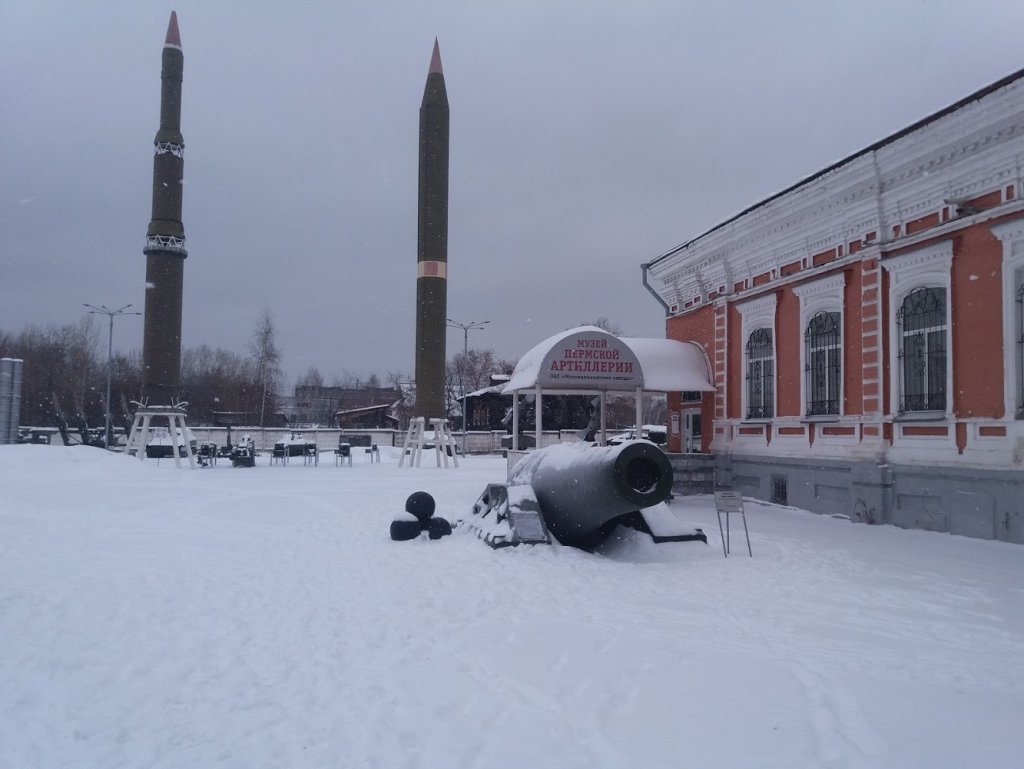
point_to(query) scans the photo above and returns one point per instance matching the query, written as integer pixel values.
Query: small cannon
(584, 491)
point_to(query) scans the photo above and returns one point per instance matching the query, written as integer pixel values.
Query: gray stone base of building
(974, 502)
(692, 473)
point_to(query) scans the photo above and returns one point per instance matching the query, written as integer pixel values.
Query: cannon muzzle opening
(642, 475)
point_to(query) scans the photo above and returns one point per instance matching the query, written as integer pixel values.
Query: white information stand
(728, 503)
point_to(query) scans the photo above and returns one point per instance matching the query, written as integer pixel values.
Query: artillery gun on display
(579, 494)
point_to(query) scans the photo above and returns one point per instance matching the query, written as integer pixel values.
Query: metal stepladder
(729, 503)
(444, 442)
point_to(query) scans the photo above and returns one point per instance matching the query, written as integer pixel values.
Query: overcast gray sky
(586, 138)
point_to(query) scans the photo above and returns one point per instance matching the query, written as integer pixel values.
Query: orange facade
(871, 313)
(869, 365)
(698, 327)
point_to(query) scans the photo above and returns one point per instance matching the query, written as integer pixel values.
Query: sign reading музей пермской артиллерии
(591, 360)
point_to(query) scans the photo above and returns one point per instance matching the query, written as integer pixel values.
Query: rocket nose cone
(173, 36)
(435, 61)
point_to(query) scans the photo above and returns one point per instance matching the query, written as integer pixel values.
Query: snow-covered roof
(364, 409)
(588, 358)
(498, 388)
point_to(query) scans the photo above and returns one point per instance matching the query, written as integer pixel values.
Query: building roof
(589, 359)
(498, 388)
(365, 409)
(1001, 83)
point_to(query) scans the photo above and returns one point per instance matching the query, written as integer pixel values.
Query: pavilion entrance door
(691, 432)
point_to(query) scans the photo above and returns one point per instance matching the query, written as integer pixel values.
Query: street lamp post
(466, 328)
(104, 310)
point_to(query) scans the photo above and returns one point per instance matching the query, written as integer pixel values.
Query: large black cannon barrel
(583, 489)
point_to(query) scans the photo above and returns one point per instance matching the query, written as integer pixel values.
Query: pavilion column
(604, 436)
(515, 420)
(639, 411)
(538, 419)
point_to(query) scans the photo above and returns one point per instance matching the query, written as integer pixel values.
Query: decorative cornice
(762, 304)
(973, 150)
(936, 257)
(1010, 233)
(831, 285)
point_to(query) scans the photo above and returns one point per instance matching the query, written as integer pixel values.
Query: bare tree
(316, 405)
(62, 372)
(346, 379)
(267, 359)
(467, 372)
(404, 383)
(217, 380)
(605, 324)
(65, 376)
(312, 378)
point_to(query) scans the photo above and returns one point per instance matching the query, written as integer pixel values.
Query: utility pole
(466, 328)
(104, 310)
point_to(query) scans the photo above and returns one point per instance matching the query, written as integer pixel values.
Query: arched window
(823, 366)
(922, 331)
(760, 374)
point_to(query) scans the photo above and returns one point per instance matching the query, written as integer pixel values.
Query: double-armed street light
(104, 310)
(475, 325)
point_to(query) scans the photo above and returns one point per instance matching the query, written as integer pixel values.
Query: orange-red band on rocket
(428, 269)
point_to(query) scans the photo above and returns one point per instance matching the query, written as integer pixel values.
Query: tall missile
(165, 238)
(432, 251)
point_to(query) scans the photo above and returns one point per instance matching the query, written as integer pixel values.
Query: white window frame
(823, 295)
(929, 267)
(1011, 235)
(754, 314)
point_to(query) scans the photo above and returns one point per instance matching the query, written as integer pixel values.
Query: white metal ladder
(138, 438)
(444, 442)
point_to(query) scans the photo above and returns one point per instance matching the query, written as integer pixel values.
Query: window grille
(780, 490)
(478, 416)
(1020, 345)
(921, 320)
(760, 375)
(823, 366)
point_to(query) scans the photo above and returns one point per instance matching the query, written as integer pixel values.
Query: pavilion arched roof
(589, 359)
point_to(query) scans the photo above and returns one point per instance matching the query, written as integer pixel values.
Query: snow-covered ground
(153, 617)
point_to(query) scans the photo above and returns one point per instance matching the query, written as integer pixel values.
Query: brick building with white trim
(866, 329)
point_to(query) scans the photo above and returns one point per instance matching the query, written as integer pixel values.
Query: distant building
(232, 418)
(866, 329)
(486, 408)
(489, 409)
(322, 405)
(367, 418)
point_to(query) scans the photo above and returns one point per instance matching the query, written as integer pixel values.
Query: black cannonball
(403, 529)
(438, 528)
(420, 504)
